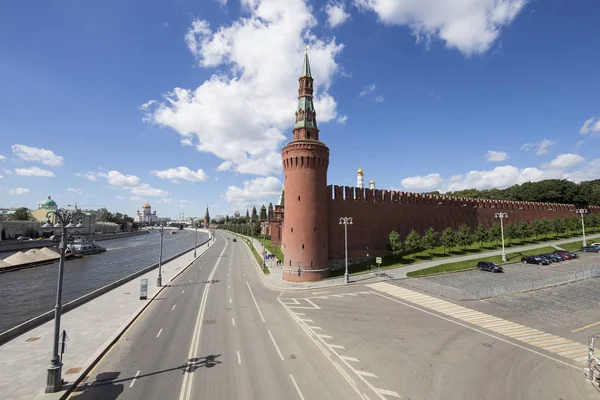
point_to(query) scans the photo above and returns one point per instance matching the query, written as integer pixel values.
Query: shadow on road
(104, 387)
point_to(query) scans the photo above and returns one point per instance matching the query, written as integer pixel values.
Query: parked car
(594, 249)
(568, 253)
(535, 260)
(553, 257)
(564, 256)
(595, 244)
(545, 257)
(489, 266)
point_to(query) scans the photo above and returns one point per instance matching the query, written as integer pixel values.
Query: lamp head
(47, 227)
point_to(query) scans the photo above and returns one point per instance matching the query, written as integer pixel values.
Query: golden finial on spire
(306, 48)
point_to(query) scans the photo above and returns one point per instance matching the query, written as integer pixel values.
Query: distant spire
(306, 64)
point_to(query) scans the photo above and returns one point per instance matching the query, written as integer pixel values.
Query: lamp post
(159, 279)
(196, 241)
(501, 216)
(582, 211)
(264, 225)
(346, 221)
(64, 224)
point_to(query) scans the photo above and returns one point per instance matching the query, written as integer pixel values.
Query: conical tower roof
(306, 65)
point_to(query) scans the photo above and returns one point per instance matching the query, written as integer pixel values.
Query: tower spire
(305, 127)
(306, 64)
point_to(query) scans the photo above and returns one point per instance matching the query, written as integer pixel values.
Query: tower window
(308, 135)
(315, 229)
(298, 198)
(290, 263)
(292, 229)
(311, 264)
(302, 247)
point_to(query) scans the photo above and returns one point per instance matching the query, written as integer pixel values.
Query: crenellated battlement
(342, 194)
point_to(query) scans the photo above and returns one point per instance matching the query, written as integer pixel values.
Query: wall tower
(305, 161)
(206, 218)
(360, 178)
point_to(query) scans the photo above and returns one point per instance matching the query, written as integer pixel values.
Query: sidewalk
(274, 279)
(91, 328)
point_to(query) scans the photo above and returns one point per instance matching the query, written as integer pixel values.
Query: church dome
(146, 205)
(48, 203)
(371, 182)
(360, 171)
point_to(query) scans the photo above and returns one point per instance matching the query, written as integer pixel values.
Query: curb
(105, 348)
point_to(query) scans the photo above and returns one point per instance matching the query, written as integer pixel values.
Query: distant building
(236, 213)
(146, 215)
(43, 208)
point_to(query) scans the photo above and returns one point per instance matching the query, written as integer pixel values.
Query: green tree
(536, 228)
(575, 224)
(525, 230)
(496, 232)
(481, 235)
(21, 214)
(448, 239)
(430, 241)
(464, 236)
(558, 225)
(545, 226)
(412, 243)
(395, 244)
(511, 232)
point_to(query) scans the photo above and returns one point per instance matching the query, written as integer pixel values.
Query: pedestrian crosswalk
(533, 337)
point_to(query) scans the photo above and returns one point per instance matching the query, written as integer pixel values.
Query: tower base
(305, 275)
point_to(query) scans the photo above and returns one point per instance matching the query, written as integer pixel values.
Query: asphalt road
(216, 333)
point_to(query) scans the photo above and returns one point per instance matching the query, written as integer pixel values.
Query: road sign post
(378, 260)
(144, 289)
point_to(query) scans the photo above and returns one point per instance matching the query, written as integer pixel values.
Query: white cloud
(131, 198)
(19, 191)
(379, 99)
(336, 14)
(256, 191)
(91, 176)
(470, 26)
(44, 156)
(591, 126)
(427, 182)
(166, 200)
(225, 166)
(368, 89)
(78, 191)
(2, 157)
(565, 161)
(342, 119)
(241, 112)
(1, 176)
(8, 171)
(33, 171)
(540, 148)
(118, 179)
(589, 172)
(496, 156)
(146, 190)
(181, 173)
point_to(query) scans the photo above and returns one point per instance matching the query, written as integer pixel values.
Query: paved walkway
(90, 329)
(275, 281)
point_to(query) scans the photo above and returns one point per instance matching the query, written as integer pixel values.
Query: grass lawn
(274, 249)
(470, 264)
(573, 246)
(256, 256)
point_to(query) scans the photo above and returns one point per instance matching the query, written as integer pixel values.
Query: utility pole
(346, 221)
(501, 216)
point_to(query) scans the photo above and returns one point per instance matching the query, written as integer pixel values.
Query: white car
(595, 244)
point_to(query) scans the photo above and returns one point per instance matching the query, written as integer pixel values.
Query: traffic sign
(299, 272)
(378, 260)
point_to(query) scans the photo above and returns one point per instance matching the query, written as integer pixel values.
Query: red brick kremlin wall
(375, 213)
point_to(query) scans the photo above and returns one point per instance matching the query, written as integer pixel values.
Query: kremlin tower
(305, 161)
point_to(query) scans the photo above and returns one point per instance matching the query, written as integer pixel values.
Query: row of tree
(464, 236)
(546, 191)
(122, 219)
(252, 229)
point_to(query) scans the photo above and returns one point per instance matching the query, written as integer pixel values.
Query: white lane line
(306, 320)
(134, 378)
(182, 291)
(325, 336)
(299, 313)
(325, 291)
(230, 300)
(174, 305)
(388, 392)
(233, 321)
(296, 386)
(159, 332)
(276, 347)
(188, 378)
(228, 287)
(190, 281)
(313, 327)
(239, 358)
(349, 359)
(366, 373)
(254, 298)
(336, 346)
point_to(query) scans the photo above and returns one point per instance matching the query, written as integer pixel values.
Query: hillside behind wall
(375, 213)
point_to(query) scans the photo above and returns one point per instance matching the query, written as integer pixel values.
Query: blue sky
(182, 103)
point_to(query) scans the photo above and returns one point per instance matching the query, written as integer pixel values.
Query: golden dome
(360, 171)
(371, 182)
(146, 205)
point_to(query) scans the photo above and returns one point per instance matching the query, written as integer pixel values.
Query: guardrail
(47, 316)
(592, 368)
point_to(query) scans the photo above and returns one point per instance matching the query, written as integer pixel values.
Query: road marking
(585, 327)
(159, 332)
(336, 346)
(230, 300)
(182, 291)
(239, 358)
(228, 287)
(276, 347)
(366, 373)
(314, 327)
(190, 281)
(299, 313)
(233, 321)
(254, 298)
(306, 320)
(296, 386)
(134, 378)
(188, 378)
(349, 358)
(325, 336)
(174, 305)
(325, 291)
(388, 392)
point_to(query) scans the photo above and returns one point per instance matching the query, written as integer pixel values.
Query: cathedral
(146, 215)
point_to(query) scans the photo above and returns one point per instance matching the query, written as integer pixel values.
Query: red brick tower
(206, 218)
(305, 162)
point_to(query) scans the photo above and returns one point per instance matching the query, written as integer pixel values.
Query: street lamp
(264, 225)
(501, 216)
(159, 279)
(64, 225)
(582, 211)
(196, 241)
(346, 221)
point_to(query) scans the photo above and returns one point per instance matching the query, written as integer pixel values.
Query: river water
(27, 293)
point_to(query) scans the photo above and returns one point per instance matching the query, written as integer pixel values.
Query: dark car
(553, 257)
(594, 249)
(544, 257)
(535, 260)
(564, 256)
(489, 266)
